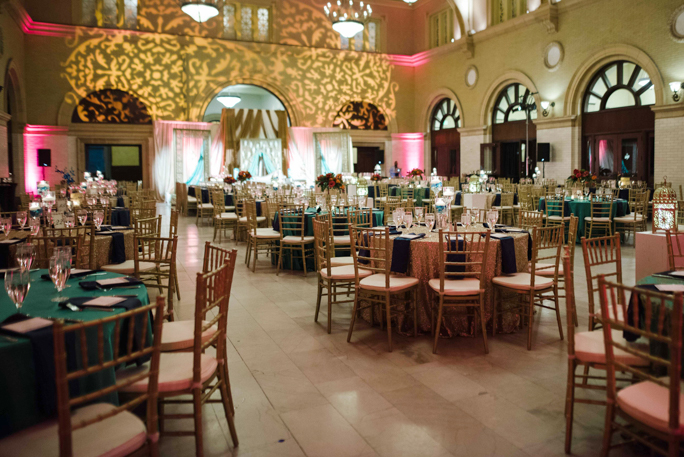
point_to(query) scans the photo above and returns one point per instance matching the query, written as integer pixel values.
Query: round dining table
(582, 209)
(26, 397)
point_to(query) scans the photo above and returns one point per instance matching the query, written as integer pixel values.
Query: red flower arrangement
(581, 176)
(330, 181)
(229, 180)
(375, 177)
(415, 173)
(244, 176)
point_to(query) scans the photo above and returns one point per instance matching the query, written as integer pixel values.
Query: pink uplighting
(37, 137)
(407, 150)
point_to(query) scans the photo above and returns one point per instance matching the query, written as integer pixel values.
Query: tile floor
(299, 391)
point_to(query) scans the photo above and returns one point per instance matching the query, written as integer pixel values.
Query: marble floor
(299, 391)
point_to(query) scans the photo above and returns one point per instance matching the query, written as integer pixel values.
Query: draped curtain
(252, 152)
(305, 150)
(192, 163)
(333, 152)
(238, 125)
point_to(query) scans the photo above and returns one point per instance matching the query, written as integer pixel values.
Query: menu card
(112, 281)
(104, 301)
(670, 287)
(28, 325)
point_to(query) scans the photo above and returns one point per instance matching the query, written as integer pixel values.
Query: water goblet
(98, 217)
(430, 220)
(58, 274)
(34, 225)
(418, 213)
(82, 216)
(21, 218)
(492, 218)
(408, 220)
(17, 285)
(26, 254)
(6, 226)
(465, 220)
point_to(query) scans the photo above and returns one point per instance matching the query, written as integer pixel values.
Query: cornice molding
(479, 130)
(668, 111)
(555, 122)
(4, 118)
(111, 130)
(52, 130)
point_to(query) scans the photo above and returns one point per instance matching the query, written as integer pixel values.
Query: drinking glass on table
(17, 285)
(21, 218)
(492, 218)
(430, 220)
(408, 219)
(465, 220)
(69, 220)
(58, 274)
(6, 226)
(396, 218)
(98, 217)
(82, 216)
(418, 212)
(34, 225)
(26, 254)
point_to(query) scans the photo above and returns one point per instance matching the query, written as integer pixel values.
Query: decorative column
(669, 138)
(563, 134)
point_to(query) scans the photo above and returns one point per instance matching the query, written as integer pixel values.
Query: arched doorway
(445, 139)
(356, 115)
(513, 151)
(618, 124)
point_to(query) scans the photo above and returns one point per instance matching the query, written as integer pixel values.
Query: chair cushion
(116, 436)
(258, 219)
(597, 219)
(175, 372)
(457, 287)
(558, 218)
(228, 216)
(206, 205)
(590, 347)
(649, 403)
(229, 208)
(128, 267)
(628, 218)
(397, 283)
(339, 261)
(192, 199)
(548, 269)
(344, 272)
(268, 233)
(342, 239)
(180, 335)
(521, 281)
(298, 239)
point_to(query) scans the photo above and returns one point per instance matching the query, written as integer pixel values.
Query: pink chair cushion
(342, 239)
(116, 436)
(548, 269)
(457, 287)
(298, 239)
(175, 372)
(180, 335)
(339, 261)
(649, 403)
(590, 347)
(521, 281)
(397, 283)
(128, 267)
(344, 272)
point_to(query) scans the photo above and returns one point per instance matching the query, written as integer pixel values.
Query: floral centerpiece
(330, 181)
(67, 175)
(244, 176)
(229, 180)
(375, 177)
(581, 176)
(415, 173)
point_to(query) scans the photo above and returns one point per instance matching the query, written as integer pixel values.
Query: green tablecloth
(419, 194)
(582, 209)
(19, 406)
(310, 263)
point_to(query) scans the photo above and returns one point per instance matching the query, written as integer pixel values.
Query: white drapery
(268, 152)
(301, 154)
(333, 152)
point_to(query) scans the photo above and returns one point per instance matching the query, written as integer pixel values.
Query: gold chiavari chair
(223, 220)
(293, 238)
(602, 256)
(87, 235)
(392, 292)
(190, 201)
(546, 249)
(181, 199)
(150, 226)
(258, 239)
(462, 263)
(204, 209)
(173, 224)
(636, 221)
(194, 372)
(389, 206)
(555, 211)
(650, 410)
(84, 425)
(382, 192)
(361, 217)
(45, 245)
(330, 276)
(506, 214)
(601, 217)
(675, 250)
(529, 219)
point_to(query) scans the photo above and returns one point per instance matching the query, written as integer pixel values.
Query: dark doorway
(446, 152)
(516, 141)
(367, 157)
(119, 162)
(9, 104)
(510, 160)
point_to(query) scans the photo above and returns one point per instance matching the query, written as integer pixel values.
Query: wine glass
(492, 218)
(64, 253)
(82, 216)
(418, 213)
(34, 225)
(430, 220)
(408, 220)
(21, 218)
(26, 253)
(69, 220)
(58, 274)
(6, 226)
(98, 217)
(465, 220)
(17, 285)
(396, 218)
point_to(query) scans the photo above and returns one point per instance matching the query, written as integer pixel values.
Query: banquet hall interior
(344, 228)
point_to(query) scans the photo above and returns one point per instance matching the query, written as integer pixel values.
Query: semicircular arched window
(445, 116)
(512, 103)
(360, 115)
(619, 84)
(110, 106)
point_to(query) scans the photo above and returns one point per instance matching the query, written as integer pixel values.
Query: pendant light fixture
(348, 18)
(228, 100)
(200, 10)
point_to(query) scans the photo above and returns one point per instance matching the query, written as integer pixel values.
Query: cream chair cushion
(457, 287)
(342, 239)
(397, 283)
(597, 219)
(175, 372)
(258, 219)
(521, 281)
(268, 233)
(629, 218)
(548, 269)
(180, 335)
(344, 272)
(227, 216)
(206, 205)
(339, 261)
(649, 403)
(128, 267)
(192, 199)
(118, 435)
(590, 347)
(298, 239)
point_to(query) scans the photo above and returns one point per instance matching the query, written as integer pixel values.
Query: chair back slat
(370, 249)
(292, 221)
(602, 256)
(529, 219)
(675, 250)
(462, 255)
(322, 244)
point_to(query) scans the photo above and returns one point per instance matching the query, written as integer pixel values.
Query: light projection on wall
(171, 75)
(111, 106)
(360, 115)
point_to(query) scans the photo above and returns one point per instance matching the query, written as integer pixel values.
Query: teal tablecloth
(419, 194)
(19, 405)
(310, 263)
(582, 209)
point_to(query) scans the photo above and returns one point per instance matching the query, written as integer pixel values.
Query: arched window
(510, 106)
(110, 106)
(618, 85)
(360, 115)
(445, 116)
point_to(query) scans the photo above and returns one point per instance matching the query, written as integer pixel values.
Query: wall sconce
(547, 107)
(675, 87)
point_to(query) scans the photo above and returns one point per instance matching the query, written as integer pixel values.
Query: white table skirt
(479, 201)
(651, 253)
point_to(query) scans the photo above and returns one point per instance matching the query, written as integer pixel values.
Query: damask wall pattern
(360, 115)
(111, 106)
(173, 75)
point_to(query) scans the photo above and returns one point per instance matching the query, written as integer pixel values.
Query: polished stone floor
(299, 391)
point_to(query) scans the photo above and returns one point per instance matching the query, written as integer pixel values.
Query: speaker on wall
(543, 152)
(44, 159)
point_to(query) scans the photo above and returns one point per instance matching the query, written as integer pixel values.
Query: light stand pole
(527, 105)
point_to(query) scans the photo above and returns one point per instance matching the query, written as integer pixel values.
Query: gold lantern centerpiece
(474, 184)
(664, 208)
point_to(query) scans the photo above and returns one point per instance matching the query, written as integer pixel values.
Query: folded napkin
(128, 304)
(393, 230)
(676, 274)
(93, 285)
(118, 246)
(401, 252)
(73, 274)
(505, 229)
(105, 228)
(456, 257)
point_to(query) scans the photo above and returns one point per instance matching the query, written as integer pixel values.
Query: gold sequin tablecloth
(424, 265)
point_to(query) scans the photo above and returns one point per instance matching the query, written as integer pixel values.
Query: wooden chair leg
(330, 300)
(438, 326)
(483, 323)
(530, 310)
(318, 299)
(569, 405)
(280, 259)
(228, 406)
(304, 265)
(608, 429)
(197, 413)
(558, 314)
(354, 313)
(389, 321)
(415, 312)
